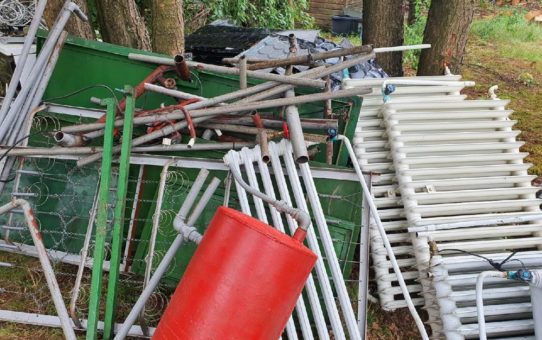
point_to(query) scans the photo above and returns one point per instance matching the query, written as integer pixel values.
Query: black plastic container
(345, 25)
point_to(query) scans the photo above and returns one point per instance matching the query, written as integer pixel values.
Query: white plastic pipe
(480, 300)
(401, 48)
(376, 218)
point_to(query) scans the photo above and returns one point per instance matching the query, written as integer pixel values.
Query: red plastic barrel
(242, 282)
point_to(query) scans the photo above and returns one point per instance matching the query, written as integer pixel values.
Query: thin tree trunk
(383, 26)
(121, 24)
(447, 31)
(75, 26)
(167, 26)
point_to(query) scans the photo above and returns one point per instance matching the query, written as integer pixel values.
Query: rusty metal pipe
(68, 140)
(232, 70)
(264, 146)
(226, 109)
(247, 130)
(45, 264)
(325, 71)
(296, 131)
(181, 68)
(272, 123)
(309, 58)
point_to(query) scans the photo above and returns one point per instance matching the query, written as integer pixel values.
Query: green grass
(414, 36)
(513, 36)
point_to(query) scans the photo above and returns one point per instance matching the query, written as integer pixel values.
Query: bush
(414, 36)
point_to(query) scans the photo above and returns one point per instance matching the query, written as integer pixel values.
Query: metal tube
(84, 255)
(181, 67)
(68, 140)
(170, 254)
(376, 218)
(190, 199)
(233, 71)
(296, 131)
(309, 58)
(62, 19)
(204, 200)
(235, 60)
(143, 149)
(324, 72)
(425, 230)
(536, 302)
(303, 219)
(205, 113)
(204, 103)
(172, 93)
(326, 290)
(249, 130)
(363, 279)
(243, 72)
(147, 292)
(271, 123)
(480, 300)
(264, 146)
(401, 48)
(18, 72)
(45, 264)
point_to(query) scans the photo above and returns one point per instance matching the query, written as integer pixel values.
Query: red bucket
(242, 282)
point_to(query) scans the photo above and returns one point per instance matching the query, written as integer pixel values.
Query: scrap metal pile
(443, 181)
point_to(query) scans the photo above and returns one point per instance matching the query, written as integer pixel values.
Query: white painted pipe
(461, 136)
(401, 48)
(368, 82)
(321, 271)
(376, 218)
(312, 294)
(480, 300)
(536, 301)
(387, 82)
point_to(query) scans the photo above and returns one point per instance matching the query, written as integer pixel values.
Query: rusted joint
(181, 68)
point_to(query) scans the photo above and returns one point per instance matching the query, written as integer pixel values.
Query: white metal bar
(325, 285)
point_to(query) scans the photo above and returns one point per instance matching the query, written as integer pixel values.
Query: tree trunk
(447, 31)
(121, 24)
(167, 26)
(383, 22)
(75, 25)
(412, 14)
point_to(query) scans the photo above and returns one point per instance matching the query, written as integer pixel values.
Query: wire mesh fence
(63, 198)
